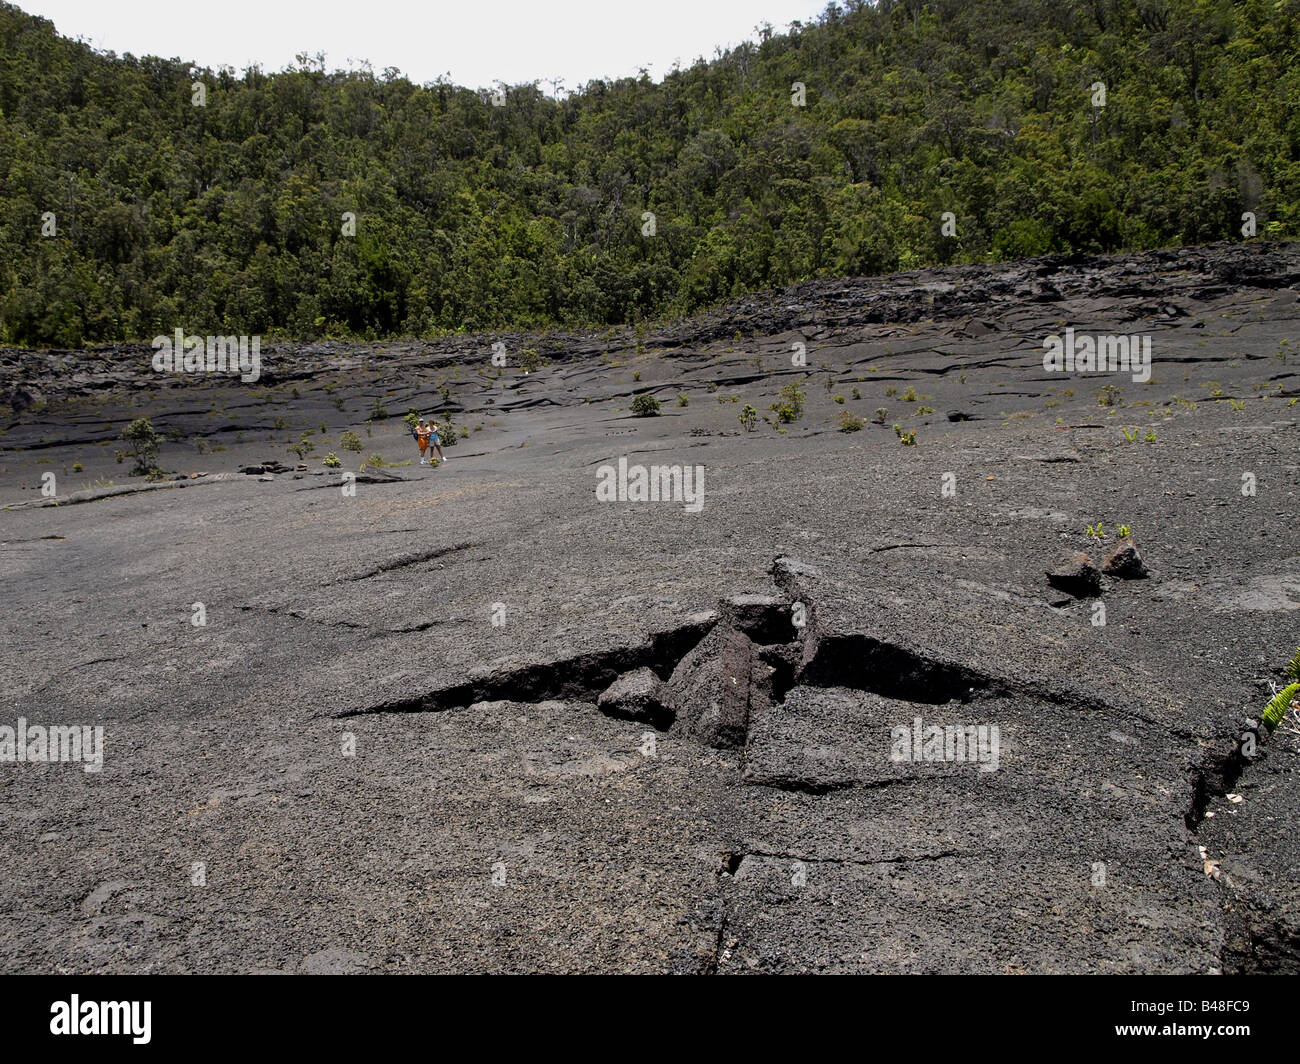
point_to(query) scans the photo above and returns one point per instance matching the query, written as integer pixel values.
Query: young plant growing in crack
(1282, 706)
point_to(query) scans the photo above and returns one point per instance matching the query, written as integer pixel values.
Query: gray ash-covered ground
(735, 808)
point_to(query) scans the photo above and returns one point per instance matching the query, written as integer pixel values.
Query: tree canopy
(142, 194)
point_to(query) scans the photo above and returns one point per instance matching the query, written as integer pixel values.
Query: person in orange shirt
(422, 433)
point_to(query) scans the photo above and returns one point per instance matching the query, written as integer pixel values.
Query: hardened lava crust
(503, 715)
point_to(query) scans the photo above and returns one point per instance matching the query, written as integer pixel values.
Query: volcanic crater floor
(472, 718)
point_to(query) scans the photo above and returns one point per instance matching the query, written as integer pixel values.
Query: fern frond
(1293, 670)
(1277, 708)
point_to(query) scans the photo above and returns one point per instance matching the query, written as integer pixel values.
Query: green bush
(789, 406)
(142, 442)
(645, 405)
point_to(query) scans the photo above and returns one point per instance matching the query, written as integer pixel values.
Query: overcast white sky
(479, 42)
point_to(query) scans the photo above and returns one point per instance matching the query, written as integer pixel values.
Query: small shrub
(881, 414)
(748, 417)
(378, 412)
(331, 461)
(142, 442)
(839, 399)
(908, 438)
(350, 441)
(910, 395)
(645, 405)
(849, 422)
(789, 406)
(683, 401)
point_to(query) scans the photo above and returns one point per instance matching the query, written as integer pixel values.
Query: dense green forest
(528, 210)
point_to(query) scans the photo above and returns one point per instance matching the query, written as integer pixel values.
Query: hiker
(421, 433)
(436, 441)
